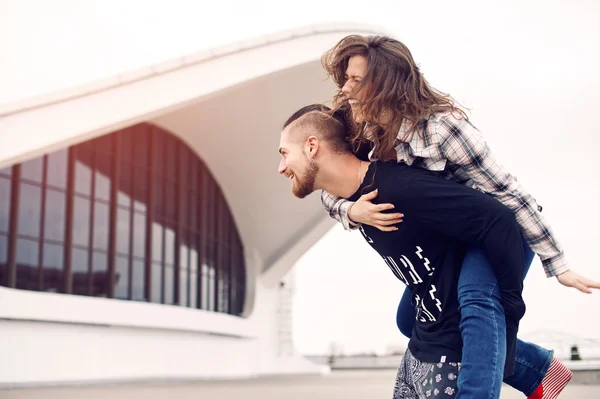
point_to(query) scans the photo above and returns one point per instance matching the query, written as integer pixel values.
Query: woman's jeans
(483, 331)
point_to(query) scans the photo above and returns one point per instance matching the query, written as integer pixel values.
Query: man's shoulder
(392, 178)
(400, 171)
(391, 169)
(406, 182)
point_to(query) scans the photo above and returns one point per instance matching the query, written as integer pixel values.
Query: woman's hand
(574, 280)
(365, 212)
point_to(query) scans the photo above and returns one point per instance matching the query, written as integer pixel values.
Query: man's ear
(312, 146)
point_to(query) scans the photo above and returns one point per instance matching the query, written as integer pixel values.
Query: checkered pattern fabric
(455, 149)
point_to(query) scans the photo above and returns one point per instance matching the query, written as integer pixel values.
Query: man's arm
(462, 144)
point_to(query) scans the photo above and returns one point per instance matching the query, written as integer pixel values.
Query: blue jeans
(483, 331)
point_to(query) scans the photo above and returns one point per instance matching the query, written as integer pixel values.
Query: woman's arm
(463, 145)
(352, 214)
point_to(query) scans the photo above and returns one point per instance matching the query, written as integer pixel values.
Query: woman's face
(355, 73)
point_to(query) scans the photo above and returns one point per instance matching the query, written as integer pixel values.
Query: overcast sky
(527, 70)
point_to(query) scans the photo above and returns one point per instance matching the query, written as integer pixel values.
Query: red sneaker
(557, 377)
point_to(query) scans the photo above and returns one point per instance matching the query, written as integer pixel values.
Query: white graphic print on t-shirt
(429, 306)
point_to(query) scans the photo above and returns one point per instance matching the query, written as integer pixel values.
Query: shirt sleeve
(462, 144)
(338, 207)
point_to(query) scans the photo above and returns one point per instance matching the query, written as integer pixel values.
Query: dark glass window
(53, 267)
(204, 286)
(30, 210)
(157, 242)
(83, 173)
(125, 184)
(57, 169)
(3, 249)
(123, 230)
(122, 278)
(184, 281)
(139, 234)
(138, 292)
(3, 259)
(100, 276)
(101, 225)
(169, 275)
(33, 170)
(193, 278)
(54, 226)
(4, 204)
(80, 271)
(102, 176)
(140, 189)
(27, 263)
(95, 201)
(157, 278)
(81, 221)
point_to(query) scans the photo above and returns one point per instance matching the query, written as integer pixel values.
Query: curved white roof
(73, 88)
(51, 46)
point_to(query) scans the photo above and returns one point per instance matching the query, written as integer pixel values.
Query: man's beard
(306, 185)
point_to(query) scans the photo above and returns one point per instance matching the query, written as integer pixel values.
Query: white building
(144, 231)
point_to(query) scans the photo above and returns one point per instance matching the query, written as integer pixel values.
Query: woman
(404, 118)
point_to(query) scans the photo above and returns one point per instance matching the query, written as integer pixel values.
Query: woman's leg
(483, 330)
(406, 314)
(537, 373)
(531, 365)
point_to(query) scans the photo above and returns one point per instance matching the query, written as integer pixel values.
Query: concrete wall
(55, 353)
(56, 339)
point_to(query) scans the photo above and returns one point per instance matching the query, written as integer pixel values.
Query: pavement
(360, 384)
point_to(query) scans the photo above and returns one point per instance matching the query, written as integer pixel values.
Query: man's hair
(315, 120)
(393, 84)
(340, 128)
(337, 114)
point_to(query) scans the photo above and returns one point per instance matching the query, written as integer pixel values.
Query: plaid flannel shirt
(456, 150)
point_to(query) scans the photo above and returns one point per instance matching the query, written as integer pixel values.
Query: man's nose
(282, 166)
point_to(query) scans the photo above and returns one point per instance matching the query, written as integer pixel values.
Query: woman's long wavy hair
(393, 91)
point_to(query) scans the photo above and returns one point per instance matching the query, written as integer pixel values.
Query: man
(426, 250)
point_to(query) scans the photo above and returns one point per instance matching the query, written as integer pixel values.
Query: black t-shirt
(426, 252)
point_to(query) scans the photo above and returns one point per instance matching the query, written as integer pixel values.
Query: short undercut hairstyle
(323, 126)
(344, 116)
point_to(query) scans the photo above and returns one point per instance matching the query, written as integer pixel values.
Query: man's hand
(365, 212)
(572, 279)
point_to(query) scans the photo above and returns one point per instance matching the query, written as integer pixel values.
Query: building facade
(144, 231)
(132, 215)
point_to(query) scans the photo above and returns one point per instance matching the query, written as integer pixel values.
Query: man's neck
(342, 176)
